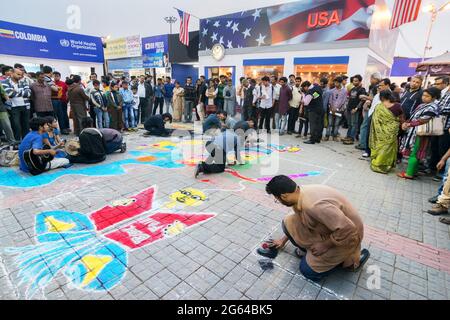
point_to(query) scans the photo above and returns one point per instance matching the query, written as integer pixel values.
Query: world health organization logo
(64, 42)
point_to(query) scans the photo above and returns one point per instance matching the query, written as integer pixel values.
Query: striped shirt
(19, 93)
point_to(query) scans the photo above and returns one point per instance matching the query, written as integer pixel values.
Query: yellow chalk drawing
(123, 202)
(293, 149)
(56, 226)
(164, 145)
(94, 265)
(174, 229)
(193, 142)
(188, 197)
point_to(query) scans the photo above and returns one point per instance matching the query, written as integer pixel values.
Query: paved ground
(66, 236)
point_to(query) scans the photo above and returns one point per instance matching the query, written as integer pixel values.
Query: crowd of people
(387, 122)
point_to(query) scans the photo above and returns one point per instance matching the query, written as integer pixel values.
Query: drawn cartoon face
(123, 202)
(189, 197)
(174, 229)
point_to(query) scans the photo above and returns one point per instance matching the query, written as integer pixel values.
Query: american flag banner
(184, 27)
(404, 11)
(292, 23)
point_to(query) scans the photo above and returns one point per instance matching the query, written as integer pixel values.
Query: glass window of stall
(314, 68)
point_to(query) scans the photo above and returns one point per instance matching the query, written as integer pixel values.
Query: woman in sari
(412, 144)
(383, 133)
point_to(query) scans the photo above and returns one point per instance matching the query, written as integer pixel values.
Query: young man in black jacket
(189, 100)
(155, 125)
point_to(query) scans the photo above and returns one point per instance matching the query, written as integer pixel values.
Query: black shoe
(268, 253)
(289, 133)
(123, 148)
(198, 170)
(433, 199)
(309, 142)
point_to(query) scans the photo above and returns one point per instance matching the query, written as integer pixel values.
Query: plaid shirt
(444, 108)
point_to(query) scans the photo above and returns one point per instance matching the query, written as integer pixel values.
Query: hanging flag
(184, 27)
(404, 11)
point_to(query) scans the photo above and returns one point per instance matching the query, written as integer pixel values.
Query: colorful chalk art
(91, 251)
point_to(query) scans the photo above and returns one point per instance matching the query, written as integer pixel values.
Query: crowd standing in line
(388, 123)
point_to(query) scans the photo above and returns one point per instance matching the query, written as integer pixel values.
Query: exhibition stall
(311, 39)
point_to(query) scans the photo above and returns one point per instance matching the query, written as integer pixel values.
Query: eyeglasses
(276, 200)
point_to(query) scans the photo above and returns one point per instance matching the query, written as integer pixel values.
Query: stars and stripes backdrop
(291, 23)
(184, 27)
(404, 11)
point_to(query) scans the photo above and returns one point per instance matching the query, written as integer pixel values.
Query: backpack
(9, 158)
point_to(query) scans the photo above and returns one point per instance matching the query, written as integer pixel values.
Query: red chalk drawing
(124, 209)
(156, 227)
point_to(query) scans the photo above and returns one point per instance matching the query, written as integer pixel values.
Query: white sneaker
(365, 155)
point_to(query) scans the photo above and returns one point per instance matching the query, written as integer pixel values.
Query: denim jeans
(128, 116)
(5, 125)
(282, 122)
(60, 109)
(353, 124)
(333, 125)
(444, 178)
(168, 104)
(364, 130)
(102, 118)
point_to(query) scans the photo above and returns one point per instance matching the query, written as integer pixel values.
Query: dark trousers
(159, 102)
(144, 111)
(316, 123)
(305, 269)
(304, 123)
(265, 115)
(93, 115)
(79, 112)
(219, 102)
(115, 118)
(369, 126)
(45, 114)
(60, 109)
(113, 146)
(216, 160)
(439, 146)
(20, 122)
(293, 117)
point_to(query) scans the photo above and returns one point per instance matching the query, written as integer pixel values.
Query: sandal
(365, 255)
(404, 176)
(445, 220)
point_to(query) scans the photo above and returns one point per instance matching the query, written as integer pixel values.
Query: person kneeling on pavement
(90, 148)
(325, 227)
(155, 125)
(218, 149)
(34, 158)
(113, 139)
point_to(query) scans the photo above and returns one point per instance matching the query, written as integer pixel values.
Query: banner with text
(21, 40)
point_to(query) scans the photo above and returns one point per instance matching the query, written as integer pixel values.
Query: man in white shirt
(266, 98)
(276, 91)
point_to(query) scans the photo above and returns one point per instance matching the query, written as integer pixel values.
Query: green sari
(383, 141)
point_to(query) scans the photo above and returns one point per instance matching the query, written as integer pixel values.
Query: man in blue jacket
(168, 93)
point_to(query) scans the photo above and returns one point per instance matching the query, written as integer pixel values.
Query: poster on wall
(21, 40)
(155, 51)
(292, 23)
(128, 47)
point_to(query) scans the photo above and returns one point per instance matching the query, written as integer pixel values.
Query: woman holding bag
(413, 144)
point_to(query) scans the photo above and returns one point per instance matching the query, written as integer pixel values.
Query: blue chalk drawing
(14, 178)
(68, 244)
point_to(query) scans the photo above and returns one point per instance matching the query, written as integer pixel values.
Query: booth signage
(155, 51)
(128, 47)
(21, 40)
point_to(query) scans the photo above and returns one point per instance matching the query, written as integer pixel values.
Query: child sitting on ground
(52, 139)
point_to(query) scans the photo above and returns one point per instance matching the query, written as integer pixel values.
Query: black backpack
(92, 144)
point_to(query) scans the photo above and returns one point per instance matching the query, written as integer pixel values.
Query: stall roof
(436, 66)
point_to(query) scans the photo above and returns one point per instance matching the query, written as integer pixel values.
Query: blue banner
(155, 51)
(21, 40)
